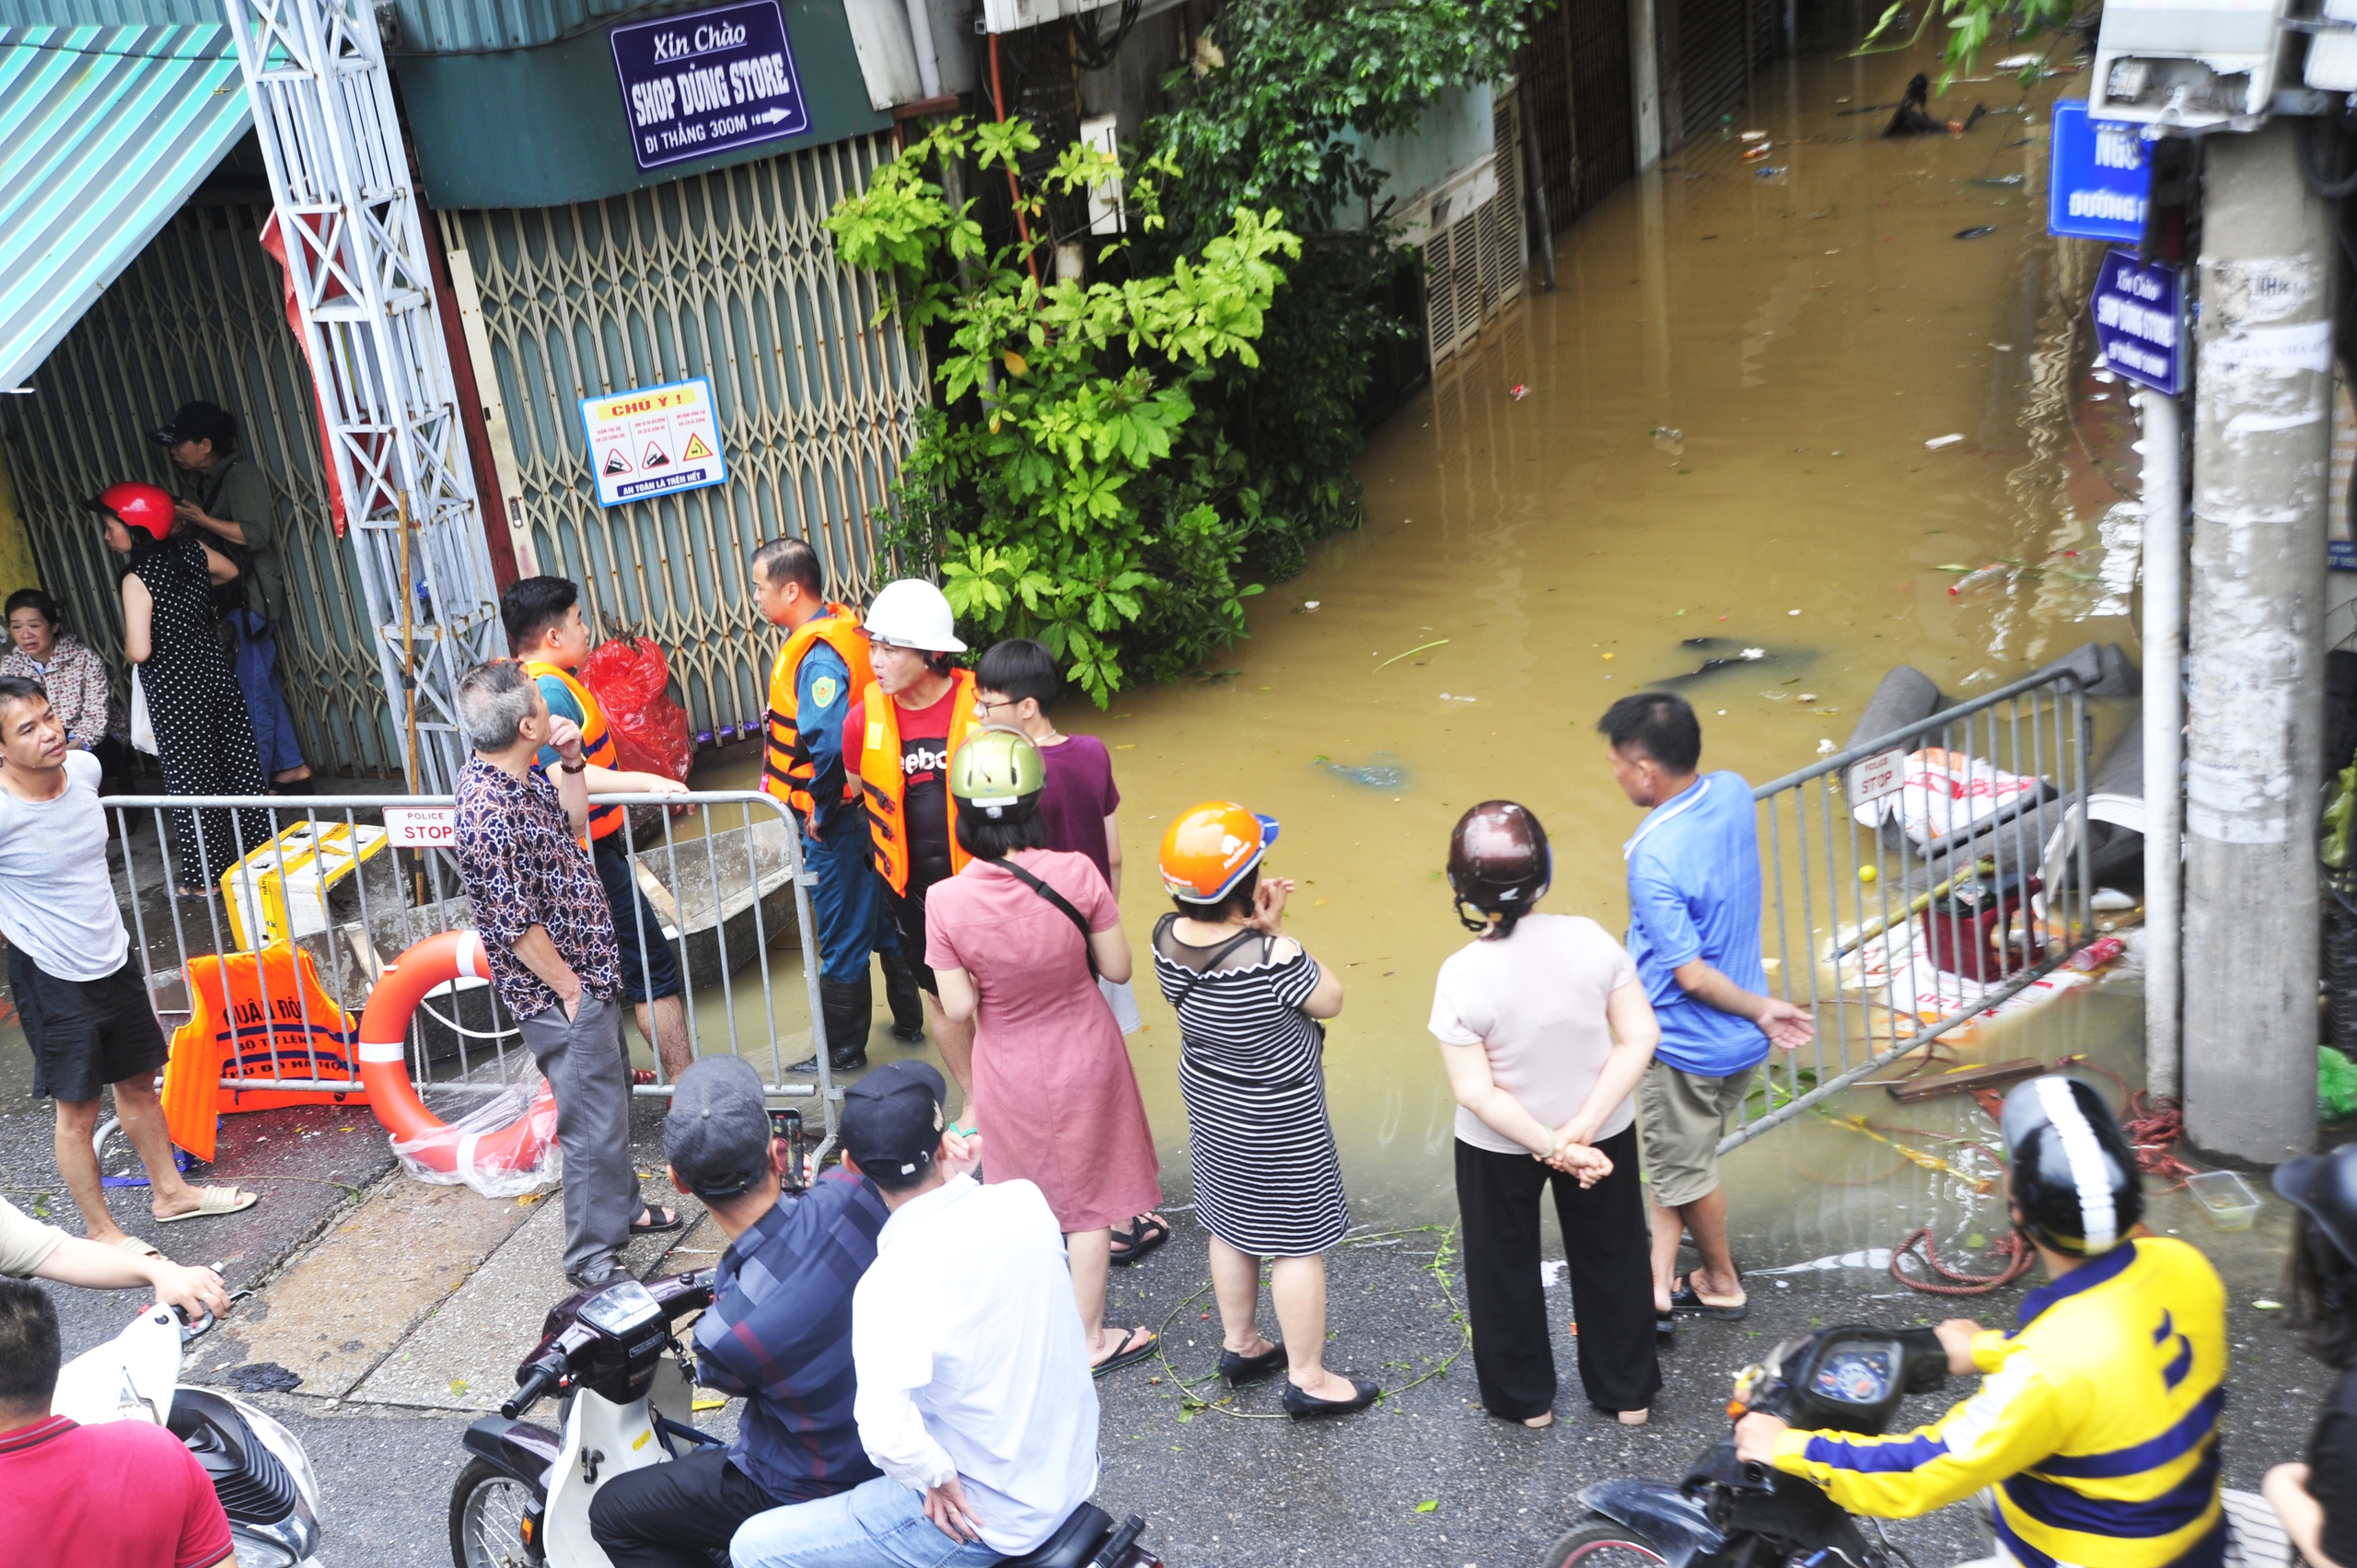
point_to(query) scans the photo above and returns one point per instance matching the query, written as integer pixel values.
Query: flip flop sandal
(136, 1248)
(637, 1228)
(1684, 1299)
(1145, 1234)
(1130, 1356)
(212, 1202)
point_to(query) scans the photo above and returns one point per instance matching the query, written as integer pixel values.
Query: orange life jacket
(786, 768)
(597, 741)
(884, 786)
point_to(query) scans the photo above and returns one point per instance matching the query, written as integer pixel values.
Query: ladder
(356, 258)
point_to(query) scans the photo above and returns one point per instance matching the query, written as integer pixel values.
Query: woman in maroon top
(1015, 941)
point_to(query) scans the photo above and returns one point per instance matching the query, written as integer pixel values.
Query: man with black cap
(974, 1392)
(234, 504)
(779, 1333)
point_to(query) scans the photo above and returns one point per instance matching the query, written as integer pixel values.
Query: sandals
(212, 1202)
(647, 1224)
(137, 1248)
(1146, 1232)
(1685, 1299)
(1130, 1353)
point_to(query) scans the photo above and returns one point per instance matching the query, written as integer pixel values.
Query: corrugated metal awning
(104, 132)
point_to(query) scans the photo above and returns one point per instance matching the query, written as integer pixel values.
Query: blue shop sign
(708, 82)
(2139, 321)
(2102, 175)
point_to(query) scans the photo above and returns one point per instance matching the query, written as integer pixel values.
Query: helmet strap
(1478, 922)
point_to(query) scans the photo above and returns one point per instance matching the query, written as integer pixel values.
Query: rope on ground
(2012, 1247)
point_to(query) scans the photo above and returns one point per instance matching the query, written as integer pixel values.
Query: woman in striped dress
(1268, 1182)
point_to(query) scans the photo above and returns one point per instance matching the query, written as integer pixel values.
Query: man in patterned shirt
(779, 1333)
(549, 936)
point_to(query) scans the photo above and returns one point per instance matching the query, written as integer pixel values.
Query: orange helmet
(1210, 848)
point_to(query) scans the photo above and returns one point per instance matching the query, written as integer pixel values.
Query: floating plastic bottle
(2095, 954)
(1993, 572)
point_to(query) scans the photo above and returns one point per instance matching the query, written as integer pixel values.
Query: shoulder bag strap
(1062, 903)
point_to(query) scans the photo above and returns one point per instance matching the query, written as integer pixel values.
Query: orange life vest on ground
(884, 786)
(787, 770)
(597, 741)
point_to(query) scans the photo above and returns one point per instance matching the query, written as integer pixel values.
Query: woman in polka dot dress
(203, 739)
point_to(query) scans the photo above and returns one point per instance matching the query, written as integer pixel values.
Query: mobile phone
(787, 1124)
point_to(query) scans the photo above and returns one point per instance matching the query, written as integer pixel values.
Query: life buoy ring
(383, 1049)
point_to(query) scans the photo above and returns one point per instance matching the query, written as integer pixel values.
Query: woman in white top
(1529, 1016)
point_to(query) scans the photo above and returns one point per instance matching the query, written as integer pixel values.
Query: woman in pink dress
(1017, 940)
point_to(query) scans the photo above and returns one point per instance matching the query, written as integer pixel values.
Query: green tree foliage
(1280, 114)
(1972, 25)
(1056, 500)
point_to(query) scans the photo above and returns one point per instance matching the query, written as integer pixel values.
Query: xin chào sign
(708, 82)
(652, 441)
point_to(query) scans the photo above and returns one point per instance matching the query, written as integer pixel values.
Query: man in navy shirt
(778, 1332)
(1694, 935)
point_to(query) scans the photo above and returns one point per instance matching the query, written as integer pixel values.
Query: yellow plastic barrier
(279, 891)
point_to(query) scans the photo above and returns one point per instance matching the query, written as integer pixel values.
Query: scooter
(614, 1357)
(259, 1470)
(1731, 1514)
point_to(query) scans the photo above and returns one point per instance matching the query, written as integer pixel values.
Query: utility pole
(2261, 451)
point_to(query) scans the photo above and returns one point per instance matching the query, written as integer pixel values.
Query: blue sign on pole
(2139, 321)
(708, 82)
(2102, 175)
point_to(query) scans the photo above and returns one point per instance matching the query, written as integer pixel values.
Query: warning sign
(654, 422)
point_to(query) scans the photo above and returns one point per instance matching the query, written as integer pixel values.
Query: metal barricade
(1920, 881)
(336, 887)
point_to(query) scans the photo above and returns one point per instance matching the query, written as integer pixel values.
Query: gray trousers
(588, 1071)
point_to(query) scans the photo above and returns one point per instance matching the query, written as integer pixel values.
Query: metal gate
(201, 314)
(1713, 66)
(1574, 86)
(726, 276)
(1473, 268)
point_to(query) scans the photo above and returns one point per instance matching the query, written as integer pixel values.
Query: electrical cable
(1094, 53)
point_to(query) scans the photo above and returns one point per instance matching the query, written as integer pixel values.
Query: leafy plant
(1048, 491)
(1971, 25)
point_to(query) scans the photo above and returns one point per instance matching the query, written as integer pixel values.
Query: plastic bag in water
(460, 1144)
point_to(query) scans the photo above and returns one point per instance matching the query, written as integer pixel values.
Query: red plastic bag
(650, 731)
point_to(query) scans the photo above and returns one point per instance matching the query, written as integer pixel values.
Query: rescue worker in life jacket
(907, 722)
(821, 668)
(2096, 1421)
(544, 626)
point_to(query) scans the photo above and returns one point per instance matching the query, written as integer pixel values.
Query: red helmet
(135, 505)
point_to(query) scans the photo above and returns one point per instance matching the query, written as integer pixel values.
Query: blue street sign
(708, 82)
(2102, 175)
(2139, 321)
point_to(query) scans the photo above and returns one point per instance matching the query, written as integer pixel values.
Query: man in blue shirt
(778, 1333)
(1694, 935)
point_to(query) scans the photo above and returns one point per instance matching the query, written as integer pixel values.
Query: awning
(104, 132)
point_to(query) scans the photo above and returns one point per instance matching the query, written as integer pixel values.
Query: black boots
(850, 1009)
(902, 996)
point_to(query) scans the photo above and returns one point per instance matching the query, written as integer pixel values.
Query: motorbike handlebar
(536, 1384)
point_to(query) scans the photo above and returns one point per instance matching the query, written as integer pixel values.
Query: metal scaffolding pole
(364, 286)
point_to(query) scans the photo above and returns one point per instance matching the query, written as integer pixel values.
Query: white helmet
(912, 613)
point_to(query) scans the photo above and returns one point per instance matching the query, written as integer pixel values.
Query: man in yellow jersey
(2097, 1415)
(904, 728)
(545, 628)
(820, 671)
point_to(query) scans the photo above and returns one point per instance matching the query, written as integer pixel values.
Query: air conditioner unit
(2211, 64)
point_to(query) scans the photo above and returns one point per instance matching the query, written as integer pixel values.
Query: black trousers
(1612, 1270)
(679, 1514)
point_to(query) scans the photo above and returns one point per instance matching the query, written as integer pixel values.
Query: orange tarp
(259, 1016)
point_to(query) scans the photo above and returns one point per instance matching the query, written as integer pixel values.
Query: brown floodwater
(1715, 428)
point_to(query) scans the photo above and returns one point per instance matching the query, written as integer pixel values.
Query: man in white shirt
(974, 1394)
(78, 991)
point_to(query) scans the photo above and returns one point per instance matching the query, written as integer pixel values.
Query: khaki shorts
(1681, 1117)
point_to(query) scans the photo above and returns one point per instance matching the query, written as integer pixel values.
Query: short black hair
(30, 1349)
(783, 561)
(533, 605)
(1660, 724)
(1020, 668)
(1238, 905)
(987, 838)
(20, 689)
(32, 598)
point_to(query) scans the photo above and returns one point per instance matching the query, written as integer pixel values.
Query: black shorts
(906, 912)
(650, 968)
(85, 1034)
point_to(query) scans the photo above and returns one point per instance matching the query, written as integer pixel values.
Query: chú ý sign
(651, 441)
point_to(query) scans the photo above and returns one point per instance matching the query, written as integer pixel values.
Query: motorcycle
(260, 1472)
(1731, 1514)
(614, 1357)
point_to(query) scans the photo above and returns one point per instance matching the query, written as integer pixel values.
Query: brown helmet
(1499, 864)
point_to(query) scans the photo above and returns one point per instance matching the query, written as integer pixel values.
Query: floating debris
(1936, 442)
(1519, 391)
(1995, 181)
(1976, 233)
(1371, 774)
